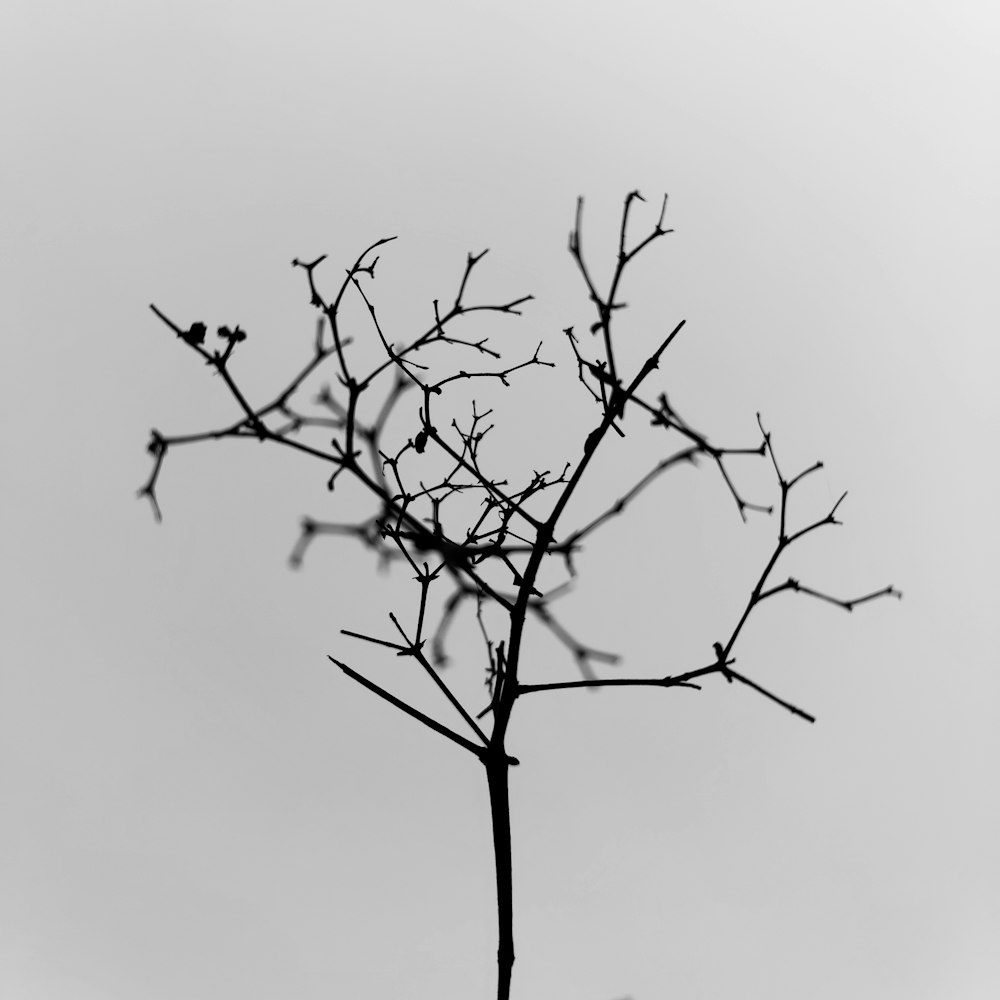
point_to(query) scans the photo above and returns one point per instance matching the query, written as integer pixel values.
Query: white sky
(197, 805)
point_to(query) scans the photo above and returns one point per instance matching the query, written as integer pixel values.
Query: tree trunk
(497, 769)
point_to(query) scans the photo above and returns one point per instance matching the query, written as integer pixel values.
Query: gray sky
(197, 804)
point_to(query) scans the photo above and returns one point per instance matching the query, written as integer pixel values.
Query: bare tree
(494, 556)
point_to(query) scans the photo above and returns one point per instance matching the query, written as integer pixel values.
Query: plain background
(197, 805)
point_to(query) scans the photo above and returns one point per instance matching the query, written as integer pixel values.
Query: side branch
(677, 680)
(760, 590)
(415, 713)
(415, 651)
(773, 697)
(847, 605)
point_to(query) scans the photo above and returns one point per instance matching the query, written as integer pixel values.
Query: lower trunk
(496, 774)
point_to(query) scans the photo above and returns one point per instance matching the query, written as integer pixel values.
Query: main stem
(497, 769)
(496, 760)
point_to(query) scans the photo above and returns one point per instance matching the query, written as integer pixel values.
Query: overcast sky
(197, 805)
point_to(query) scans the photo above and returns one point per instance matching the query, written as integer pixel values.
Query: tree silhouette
(493, 556)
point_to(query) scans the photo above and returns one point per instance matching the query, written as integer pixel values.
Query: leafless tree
(493, 557)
